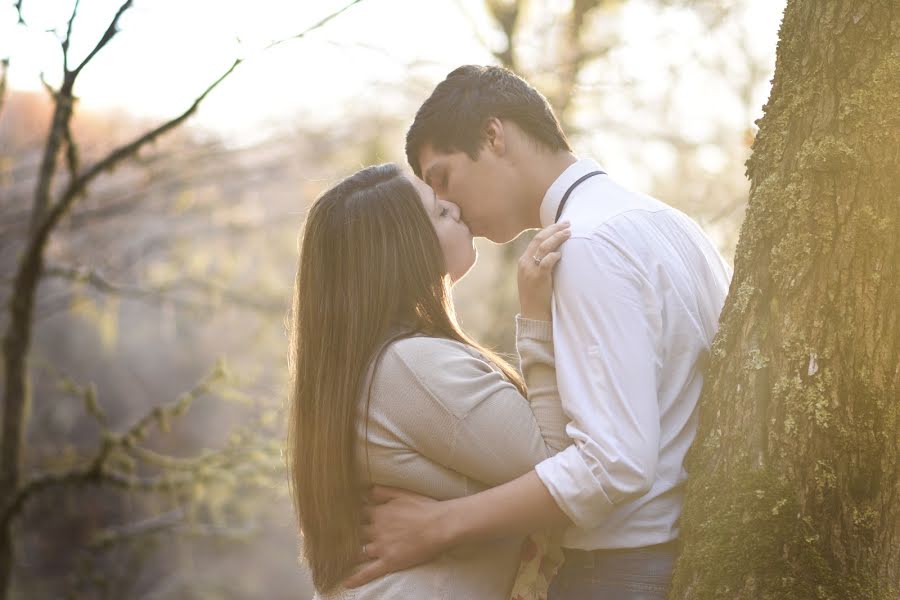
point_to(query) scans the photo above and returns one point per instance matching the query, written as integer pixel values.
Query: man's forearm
(520, 506)
(406, 529)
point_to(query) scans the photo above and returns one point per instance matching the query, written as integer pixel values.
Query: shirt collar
(558, 188)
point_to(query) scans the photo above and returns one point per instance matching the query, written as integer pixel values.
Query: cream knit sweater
(445, 423)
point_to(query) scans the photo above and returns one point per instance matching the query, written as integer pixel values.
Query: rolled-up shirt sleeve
(606, 331)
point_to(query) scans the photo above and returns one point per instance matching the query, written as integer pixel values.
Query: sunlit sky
(170, 50)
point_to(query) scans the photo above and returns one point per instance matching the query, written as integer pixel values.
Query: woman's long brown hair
(369, 260)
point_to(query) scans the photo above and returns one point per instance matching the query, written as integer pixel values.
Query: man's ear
(495, 136)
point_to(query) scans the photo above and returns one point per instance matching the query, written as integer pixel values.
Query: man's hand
(403, 529)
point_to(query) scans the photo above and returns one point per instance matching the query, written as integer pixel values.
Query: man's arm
(406, 529)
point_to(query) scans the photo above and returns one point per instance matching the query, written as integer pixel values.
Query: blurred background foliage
(159, 341)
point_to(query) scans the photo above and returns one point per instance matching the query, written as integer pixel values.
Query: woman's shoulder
(451, 372)
(422, 348)
(430, 357)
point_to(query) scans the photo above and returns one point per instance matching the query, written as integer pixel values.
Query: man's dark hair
(453, 117)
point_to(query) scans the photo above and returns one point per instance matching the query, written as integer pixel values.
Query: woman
(387, 389)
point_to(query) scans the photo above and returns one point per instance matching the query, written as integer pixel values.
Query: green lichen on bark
(751, 524)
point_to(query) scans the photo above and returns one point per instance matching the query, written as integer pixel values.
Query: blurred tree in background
(151, 215)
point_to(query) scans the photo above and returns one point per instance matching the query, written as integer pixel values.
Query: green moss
(826, 155)
(743, 295)
(755, 360)
(880, 97)
(805, 400)
(718, 346)
(748, 523)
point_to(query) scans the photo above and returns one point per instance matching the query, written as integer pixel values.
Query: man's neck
(543, 169)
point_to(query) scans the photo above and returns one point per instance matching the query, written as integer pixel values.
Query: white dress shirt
(637, 297)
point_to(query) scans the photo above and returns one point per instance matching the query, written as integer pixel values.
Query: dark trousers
(621, 574)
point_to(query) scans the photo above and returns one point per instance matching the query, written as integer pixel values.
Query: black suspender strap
(565, 198)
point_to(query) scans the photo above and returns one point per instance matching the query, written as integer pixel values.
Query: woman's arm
(534, 331)
(534, 342)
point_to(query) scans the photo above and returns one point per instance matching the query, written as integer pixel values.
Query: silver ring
(365, 553)
(536, 260)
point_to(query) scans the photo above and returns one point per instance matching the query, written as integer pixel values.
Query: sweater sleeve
(534, 342)
(455, 409)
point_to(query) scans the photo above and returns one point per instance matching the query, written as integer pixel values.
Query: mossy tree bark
(794, 485)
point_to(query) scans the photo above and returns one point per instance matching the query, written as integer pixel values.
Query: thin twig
(68, 38)
(313, 27)
(109, 34)
(78, 185)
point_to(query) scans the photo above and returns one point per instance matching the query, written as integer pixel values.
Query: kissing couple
(421, 464)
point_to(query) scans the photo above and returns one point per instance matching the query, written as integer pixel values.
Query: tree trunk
(794, 486)
(16, 344)
(17, 339)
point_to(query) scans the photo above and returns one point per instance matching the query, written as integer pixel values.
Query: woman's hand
(536, 270)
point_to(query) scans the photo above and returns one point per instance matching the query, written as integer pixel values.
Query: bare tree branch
(51, 91)
(62, 113)
(313, 27)
(68, 38)
(95, 474)
(98, 472)
(4, 70)
(87, 393)
(109, 34)
(78, 185)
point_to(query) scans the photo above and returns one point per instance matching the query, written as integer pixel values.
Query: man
(637, 297)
